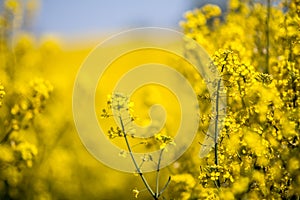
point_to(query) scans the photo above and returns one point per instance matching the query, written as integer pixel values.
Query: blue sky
(84, 17)
(72, 18)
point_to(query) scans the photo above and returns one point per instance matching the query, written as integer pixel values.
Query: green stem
(166, 185)
(139, 171)
(6, 136)
(157, 173)
(216, 130)
(217, 122)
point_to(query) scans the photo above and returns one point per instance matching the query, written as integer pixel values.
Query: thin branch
(134, 161)
(157, 173)
(216, 123)
(6, 135)
(166, 185)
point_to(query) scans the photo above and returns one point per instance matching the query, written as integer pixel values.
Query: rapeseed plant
(259, 142)
(255, 46)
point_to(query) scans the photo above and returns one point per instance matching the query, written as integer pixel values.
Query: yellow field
(251, 153)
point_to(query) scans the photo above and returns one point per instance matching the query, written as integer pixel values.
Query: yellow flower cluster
(31, 103)
(17, 152)
(25, 152)
(119, 106)
(258, 148)
(113, 133)
(20, 132)
(164, 140)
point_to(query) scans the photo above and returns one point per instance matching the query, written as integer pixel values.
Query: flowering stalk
(218, 184)
(139, 171)
(120, 103)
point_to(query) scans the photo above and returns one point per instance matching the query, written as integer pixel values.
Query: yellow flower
(211, 10)
(164, 140)
(135, 192)
(214, 175)
(234, 4)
